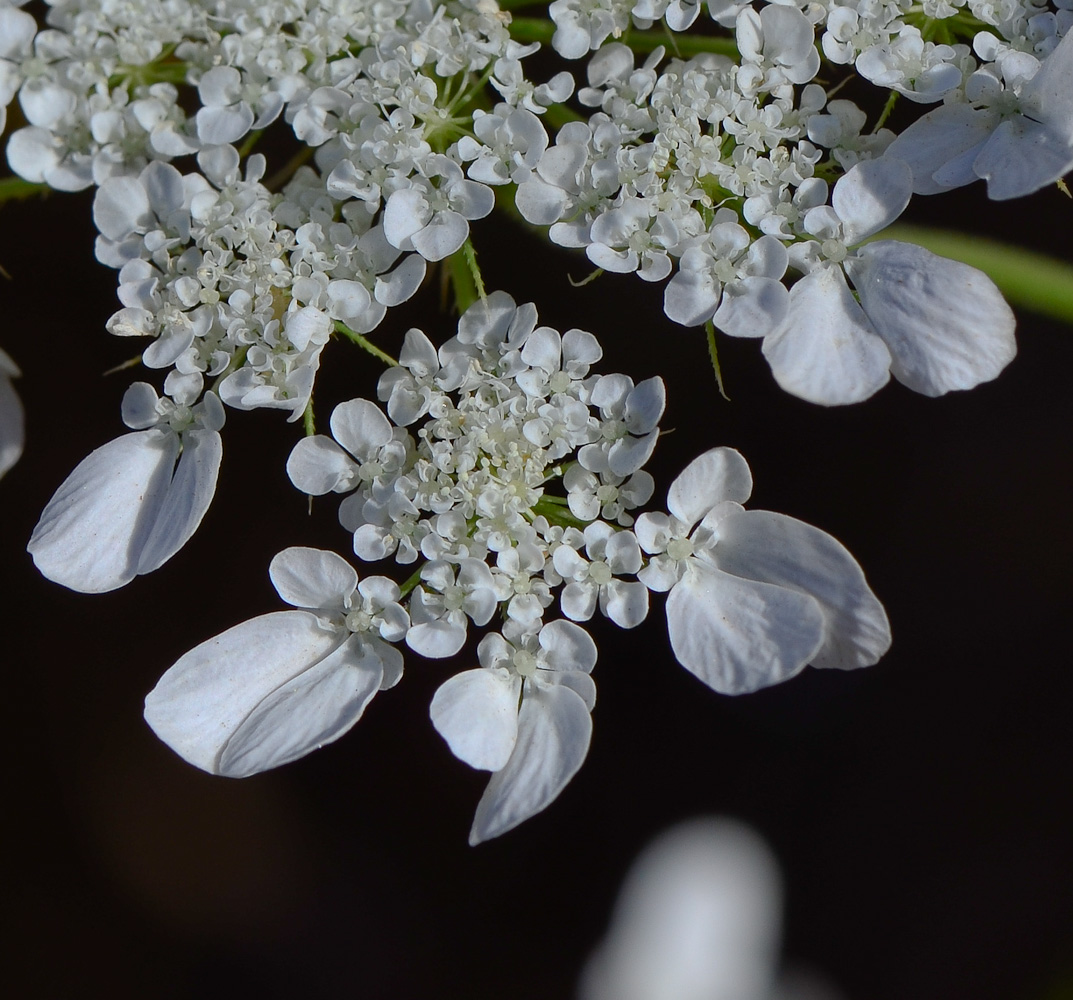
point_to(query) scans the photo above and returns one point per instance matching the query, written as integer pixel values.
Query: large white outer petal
(92, 532)
(825, 350)
(1048, 96)
(740, 635)
(204, 699)
(312, 578)
(476, 712)
(191, 491)
(775, 548)
(938, 138)
(946, 324)
(1021, 157)
(314, 708)
(554, 729)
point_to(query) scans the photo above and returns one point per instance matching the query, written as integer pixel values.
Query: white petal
(717, 475)
(691, 297)
(191, 491)
(645, 405)
(436, 639)
(121, 207)
(628, 454)
(752, 306)
(826, 351)
(1021, 157)
(398, 286)
(945, 323)
(938, 137)
(476, 712)
(554, 730)
(360, 427)
(217, 126)
(871, 195)
(762, 545)
(91, 533)
(739, 636)
(1047, 97)
(312, 578)
(442, 236)
(567, 647)
(204, 699)
(316, 707)
(405, 213)
(578, 600)
(33, 153)
(540, 203)
(625, 603)
(317, 465)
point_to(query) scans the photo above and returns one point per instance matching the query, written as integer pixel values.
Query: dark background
(920, 808)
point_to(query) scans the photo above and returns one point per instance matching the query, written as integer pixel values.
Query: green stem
(413, 581)
(466, 278)
(887, 109)
(16, 189)
(556, 511)
(365, 343)
(713, 353)
(307, 419)
(251, 140)
(1028, 279)
(537, 29)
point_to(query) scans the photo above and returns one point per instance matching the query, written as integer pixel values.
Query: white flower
(317, 465)
(754, 595)
(276, 687)
(12, 418)
(612, 554)
(732, 278)
(1021, 140)
(439, 613)
(523, 714)
(935, 324)
(127, 508)
(434, 219)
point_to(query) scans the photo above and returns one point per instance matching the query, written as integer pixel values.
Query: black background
(920, 808)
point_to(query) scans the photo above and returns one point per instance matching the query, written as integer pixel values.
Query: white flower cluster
(723, 167)
(500, 467)
(507, 412)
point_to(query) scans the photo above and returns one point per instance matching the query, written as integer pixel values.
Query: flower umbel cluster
(499, 478)
(507, 471)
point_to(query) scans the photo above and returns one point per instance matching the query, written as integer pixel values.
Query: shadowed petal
(476, 712)
(554, 729)
(739, 635)
(774, 548)
(92, 532)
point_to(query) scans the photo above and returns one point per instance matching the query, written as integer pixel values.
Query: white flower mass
(500, 469)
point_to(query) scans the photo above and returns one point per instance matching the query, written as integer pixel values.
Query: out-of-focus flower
(12, 418)
(698, 918)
